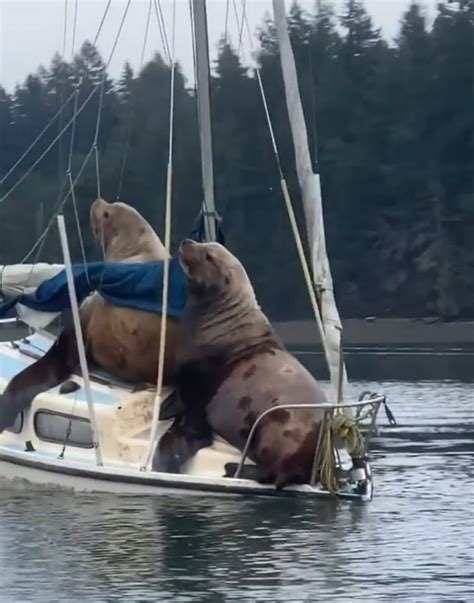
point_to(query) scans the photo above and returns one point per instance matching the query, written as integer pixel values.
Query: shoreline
(377, 332)
(382, 332)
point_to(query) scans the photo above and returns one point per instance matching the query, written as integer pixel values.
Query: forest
(391, 130)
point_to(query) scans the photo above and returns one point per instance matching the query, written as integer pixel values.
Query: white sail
(24, 279)
(311, 195)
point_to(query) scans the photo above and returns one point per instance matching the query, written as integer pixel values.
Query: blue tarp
(138, 286)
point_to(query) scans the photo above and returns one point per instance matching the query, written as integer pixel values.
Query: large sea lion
(231, 367)
(121, 340)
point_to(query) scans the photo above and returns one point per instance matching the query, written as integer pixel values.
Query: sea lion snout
(188, 253)
(186, 243)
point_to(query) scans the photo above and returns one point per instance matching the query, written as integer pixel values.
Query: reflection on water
(413, 542)
(401, 364)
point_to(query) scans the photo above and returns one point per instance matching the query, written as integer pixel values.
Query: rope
(338, 427)
(167, 241)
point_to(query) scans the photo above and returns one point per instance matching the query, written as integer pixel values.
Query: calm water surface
(414, 542)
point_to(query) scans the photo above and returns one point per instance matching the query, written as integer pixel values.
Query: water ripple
(412, 543)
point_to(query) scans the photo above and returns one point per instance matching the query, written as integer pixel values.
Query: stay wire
(56, 115)
(226, 33)
(128, 129)
(101, 99)
(265, 104)
(61, 101)
(161, 25)
(244, 7)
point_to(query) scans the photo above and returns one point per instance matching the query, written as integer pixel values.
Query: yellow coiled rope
(338, 427)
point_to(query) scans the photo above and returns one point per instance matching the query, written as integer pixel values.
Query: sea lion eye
(209, 257)
(106, 214)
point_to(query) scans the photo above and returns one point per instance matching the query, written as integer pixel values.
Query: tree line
(391, 131)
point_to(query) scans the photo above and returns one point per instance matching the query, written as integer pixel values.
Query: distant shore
(382, 332)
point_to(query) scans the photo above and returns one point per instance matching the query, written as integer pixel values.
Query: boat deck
(58, 450)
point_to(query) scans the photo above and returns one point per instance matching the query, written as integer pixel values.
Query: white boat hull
(22, 469)
(43, 454)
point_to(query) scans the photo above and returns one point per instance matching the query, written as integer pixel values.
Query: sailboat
(99, 437)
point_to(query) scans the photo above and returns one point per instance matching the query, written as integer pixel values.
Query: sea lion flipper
(180, 443)
(172, 407)
(47, 372)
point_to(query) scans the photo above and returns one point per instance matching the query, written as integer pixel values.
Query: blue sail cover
(138, 286)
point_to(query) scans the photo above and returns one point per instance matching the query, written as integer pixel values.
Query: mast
(312, 204)
(202, 75)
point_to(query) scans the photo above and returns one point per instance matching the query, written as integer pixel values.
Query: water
(412, 543)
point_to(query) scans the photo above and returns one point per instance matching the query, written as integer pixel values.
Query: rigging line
(71, 149)
(101, 98)
(58, 113)
(161, 25)
(73, 128)
(124, 156)
(78, 225)
(69, 428)
(147, 29)
(50, 146)
(40, 135)
(72, 190)
(39, 243)
(236, 13)
(61, 101)
(126, 148)
(58, 208)
(76, 92)
(65, 27)
(41, 240)
(193, 35)
(198, 99)
(265, 104)
(244, 7)
(167, 240)
(71, 146)
(102, 22)
(64, 181)
(226, 20)
(74, 30)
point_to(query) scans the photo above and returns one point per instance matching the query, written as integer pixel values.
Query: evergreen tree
(391, 131)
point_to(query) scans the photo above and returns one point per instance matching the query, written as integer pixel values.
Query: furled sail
(24, 279)
(311, 195)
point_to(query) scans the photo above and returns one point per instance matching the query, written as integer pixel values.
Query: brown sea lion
(121, 340)
(230, 367)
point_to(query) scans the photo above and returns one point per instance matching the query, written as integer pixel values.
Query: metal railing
(374, 402)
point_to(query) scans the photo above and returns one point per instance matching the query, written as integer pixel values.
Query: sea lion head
(214, 273)
(123, 234)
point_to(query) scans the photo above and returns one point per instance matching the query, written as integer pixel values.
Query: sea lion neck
(229, 324)
(146, 247)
